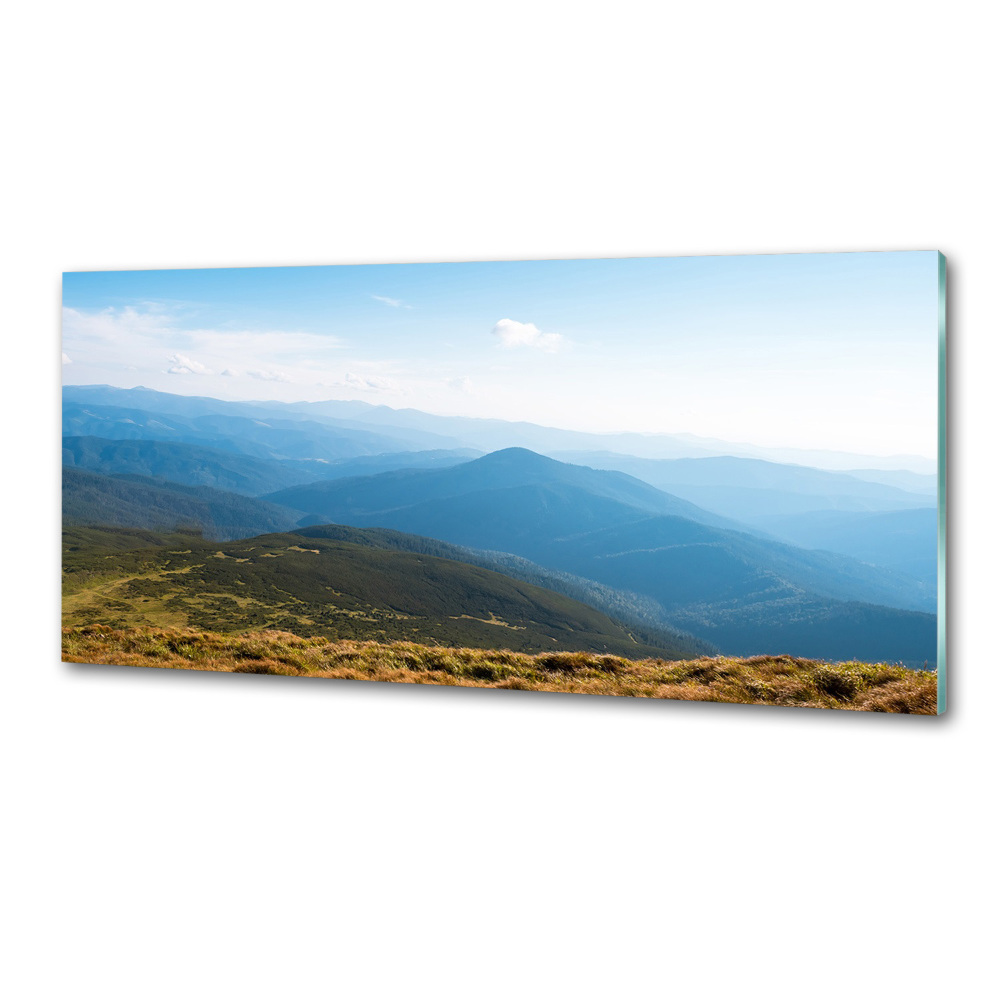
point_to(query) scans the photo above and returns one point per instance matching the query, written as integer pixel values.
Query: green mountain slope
(138, 502)
(332, 588)
(644, 617)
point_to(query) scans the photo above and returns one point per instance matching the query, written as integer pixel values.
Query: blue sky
(833, 351)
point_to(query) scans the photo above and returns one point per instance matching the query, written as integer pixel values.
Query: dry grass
(759, 680)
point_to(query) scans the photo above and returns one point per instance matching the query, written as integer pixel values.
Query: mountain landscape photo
(692, 479)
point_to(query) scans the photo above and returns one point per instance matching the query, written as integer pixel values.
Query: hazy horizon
(816, 352)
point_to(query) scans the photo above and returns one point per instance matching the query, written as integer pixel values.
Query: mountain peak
(518, 456)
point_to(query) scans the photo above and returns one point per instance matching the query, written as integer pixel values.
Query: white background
(177, 835)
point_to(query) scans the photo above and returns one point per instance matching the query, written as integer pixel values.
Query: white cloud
(395, 303)
(463, 383)
(370, 382)
(161, 349)
(112, 324)
(113, 332)
(157, 343)
(269, 376)
(515, 334)
(181, 365)
(66, 359)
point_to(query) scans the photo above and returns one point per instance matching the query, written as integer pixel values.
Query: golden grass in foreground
(759, 680)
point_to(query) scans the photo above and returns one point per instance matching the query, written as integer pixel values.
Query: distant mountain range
(197, 465)
(744, 488)
(747, 554)
(273, 438)
(431, 431)
(551, 512)
(879, 523)
(570, 498)
(901, 540)
(492, 435)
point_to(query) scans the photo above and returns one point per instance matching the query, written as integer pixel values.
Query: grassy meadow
(329, 587)
(759, 680)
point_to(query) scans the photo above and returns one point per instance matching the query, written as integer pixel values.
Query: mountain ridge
(508, 468)
(488, 433)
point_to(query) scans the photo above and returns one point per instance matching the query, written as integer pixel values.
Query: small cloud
(515, 334)
(463, 383)
(373, 382)
(271, 376)
(66, 360)
(228, 372)
(180, 365)
(395, 303)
